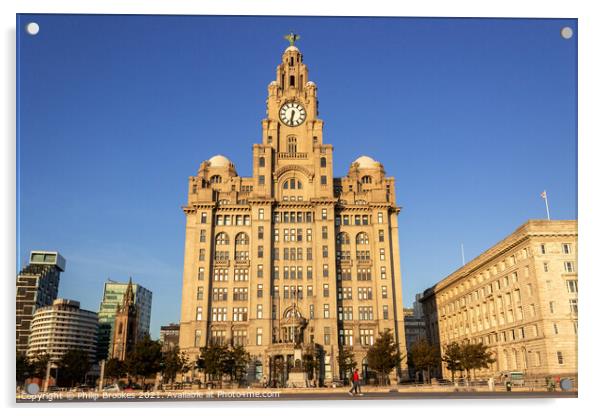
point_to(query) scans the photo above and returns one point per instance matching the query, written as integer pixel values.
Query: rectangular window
(260, 233)
(259, 336)
(260, 252)
(552, 307)
(542, 248)
(310, 273)
(197, 338)
(322, 180)
(569, 266)
(560, 357)
(325, 270)
(201, 275)
(203, 236)
(203, 218)
(385, 312)
(384, 292)
(200, 292)
(545, 267)
(260, 290)
(573, 305)
(259, 311)
(308, 238)
(382, 253)
(380, 218)
(566, 248)
(324, 252)
(324, 233)
(381, 236)
(261, 180)
(260, 271)
(326, 334)
(310, 291)
(199, 313)
(325, 290)
(571, 286)
(324, 213)
(261, 213)
(326, 310)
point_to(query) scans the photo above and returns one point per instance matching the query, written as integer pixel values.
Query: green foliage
(424, 356)
(453, 358)
(73, 366)
(24, 368)
(384, 355)
(310, 362)
(346, 361)
(114, 369)
(466, 357)
(174, 362)
(145, 359)
(39, 363)
(219, 360)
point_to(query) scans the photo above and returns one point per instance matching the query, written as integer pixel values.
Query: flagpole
(545, 197)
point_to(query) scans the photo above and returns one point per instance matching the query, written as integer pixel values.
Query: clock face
(292, 114)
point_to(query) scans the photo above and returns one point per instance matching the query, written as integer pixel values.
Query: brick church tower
(124, 333)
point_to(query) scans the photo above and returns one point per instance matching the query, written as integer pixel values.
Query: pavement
(341, 393)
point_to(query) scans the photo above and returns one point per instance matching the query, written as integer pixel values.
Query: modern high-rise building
(37, 286)
(519, 298)
(291, 257)
(112, 298)
(61, 327)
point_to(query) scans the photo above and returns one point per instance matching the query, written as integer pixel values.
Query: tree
(453, 358)
(174, 361)
(144, 360)
(310, 362)
(384, 355)
(475, 357)
(114, 369)
(73, 366)
(24, 368)
(211, 360)
(235, 362)
(39, 364)
(346, 361)
(424, 356)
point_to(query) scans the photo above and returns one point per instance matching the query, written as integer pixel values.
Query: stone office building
(291, 257)
(519, 298)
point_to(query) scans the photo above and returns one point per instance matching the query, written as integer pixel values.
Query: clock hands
(293, 115)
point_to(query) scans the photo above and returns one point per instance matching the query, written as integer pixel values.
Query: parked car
(111, 388)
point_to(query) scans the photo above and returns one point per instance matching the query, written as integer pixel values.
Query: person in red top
(355, 389)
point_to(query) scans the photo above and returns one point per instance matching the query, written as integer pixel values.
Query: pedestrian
(355, 389)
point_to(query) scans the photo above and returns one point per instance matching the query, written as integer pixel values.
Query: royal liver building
(291, 259)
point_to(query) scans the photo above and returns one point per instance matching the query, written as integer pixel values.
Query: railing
(221, 262)
(284, 155)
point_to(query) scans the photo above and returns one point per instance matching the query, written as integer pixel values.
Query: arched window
(241, 239)
(322, 162)
(222, 239)
(366, 179)
(291, 145)
(342, 238)
(361, 238)
(216, 179)
(292, 184)
(292, 81)
(261, 162)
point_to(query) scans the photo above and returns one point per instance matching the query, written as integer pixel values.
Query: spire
(128, 297)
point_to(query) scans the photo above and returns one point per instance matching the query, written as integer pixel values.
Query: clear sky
(473, 117)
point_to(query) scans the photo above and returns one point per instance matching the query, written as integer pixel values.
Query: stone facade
(291, 257)
(519, 298)
(125, 334)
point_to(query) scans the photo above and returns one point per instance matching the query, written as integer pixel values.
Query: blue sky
(473, 117)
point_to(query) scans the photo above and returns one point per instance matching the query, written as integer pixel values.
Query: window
(258, 336)
(364, 293)
(260, 252)
(381, 236)
(259, 290)
(219, 314)
(322, 162)
(573, 305)
(552, 307)
(197, 338)
(385, 312)
(203, 236)
(325, 252)
(364, 273)
(239, 314)
(222, 239)
(555, 327)
(346, 337)
(361, 238)
(241, 275)
(383, 272)
(325, 270)
(201, 275)
(326, 310)
(261, 162)
(261, 213)
(292, 142)
(569, 266)
(309, 272)
(380, 218)
(259, 311)
(310, 291)
(215, 179)
(571, 286)
(324, 233)
(382, 253)
(545, 267)
(326, 332)
(542, 248)
(203, 218)
(566, 248)
(560, 357)
(366, 179)
(325, 290)
(366, 337)
(324, 213)
(260, 233)
(199, 292)
(308, 236)
(342, 238)
(323, 180)
(384, 292)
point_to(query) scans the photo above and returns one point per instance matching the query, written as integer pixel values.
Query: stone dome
(291, 48)
(310, 84)
(366, 162)
(219, 161)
